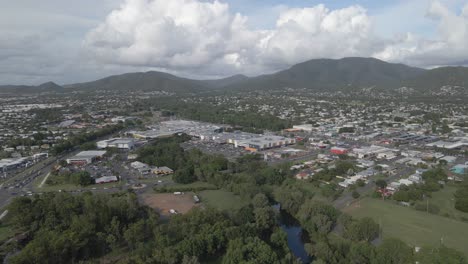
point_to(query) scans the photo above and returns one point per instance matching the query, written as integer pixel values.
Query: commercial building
(120, 143)
(191, 128)
(338, 150)
(406, 138)
(106, 179)
(150, 134)
(265, 142)
(172, 127)
(374, 151)
(459, 169)
(66, 123)
(140, 167)
(448, 145)
(8, 164)
(449, 159)
(305, 127)
(86, 157)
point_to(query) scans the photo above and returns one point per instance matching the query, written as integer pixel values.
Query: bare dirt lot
(163, 202)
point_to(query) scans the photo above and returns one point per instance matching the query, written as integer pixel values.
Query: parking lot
(227, 150)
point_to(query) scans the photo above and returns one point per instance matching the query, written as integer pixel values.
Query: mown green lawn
(414, 227)
(174, 187)
(71, 187)
(6, 229)
(6, 232)
(445, 201)
(221, 200)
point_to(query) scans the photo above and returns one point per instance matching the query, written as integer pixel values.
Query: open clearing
(414, 227)
(175, 187)
(6, 229)
(221, 200)
(163, 202)
(44, 180)
(6, 232)
(40, 185)
(445, 200)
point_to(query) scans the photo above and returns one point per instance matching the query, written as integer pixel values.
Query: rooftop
(91, 153)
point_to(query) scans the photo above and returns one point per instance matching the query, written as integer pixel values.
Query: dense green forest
(62, 228)
(189, 166)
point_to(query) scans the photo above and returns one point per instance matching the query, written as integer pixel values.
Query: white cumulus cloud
(89, 39)
(206, 38)
(450, 46)
(317, 32)
(177, 34)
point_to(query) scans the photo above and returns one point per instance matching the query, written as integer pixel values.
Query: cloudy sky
(75, 41)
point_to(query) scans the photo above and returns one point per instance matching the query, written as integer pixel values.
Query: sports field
(414, 227)
(164, 202)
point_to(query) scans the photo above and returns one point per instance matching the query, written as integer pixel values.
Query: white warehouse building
(265, 142)
(120, 143)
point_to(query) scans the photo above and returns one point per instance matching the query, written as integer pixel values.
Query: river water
(294, 235)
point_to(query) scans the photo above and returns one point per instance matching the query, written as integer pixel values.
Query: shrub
(431, 208)
(355, 195)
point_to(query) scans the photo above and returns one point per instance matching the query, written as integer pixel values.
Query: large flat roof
(11, 162)
(93, 153)
(90, 154)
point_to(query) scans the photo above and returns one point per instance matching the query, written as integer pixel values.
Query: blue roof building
(459, 169)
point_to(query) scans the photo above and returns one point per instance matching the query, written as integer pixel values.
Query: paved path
(44, 180)
(3, 214)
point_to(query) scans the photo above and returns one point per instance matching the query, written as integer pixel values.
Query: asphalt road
(23, 182)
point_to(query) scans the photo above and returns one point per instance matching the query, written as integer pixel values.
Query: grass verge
(414, 227)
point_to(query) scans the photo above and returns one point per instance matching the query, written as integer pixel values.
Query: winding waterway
(294, 235)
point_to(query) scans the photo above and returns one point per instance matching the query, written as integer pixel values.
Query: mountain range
(45, 87)
(317, 74)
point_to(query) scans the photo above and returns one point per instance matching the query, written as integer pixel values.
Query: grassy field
(445, 201)
(182, 187)
(6, 229)
(222, 200)
(414, 227)
(6, 232)
(71, 187)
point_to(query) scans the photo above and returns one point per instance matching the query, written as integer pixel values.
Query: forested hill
(45, 87)
(327, 74)
(315, 75)
(143, 81)
(444, 77)
(221, 83)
